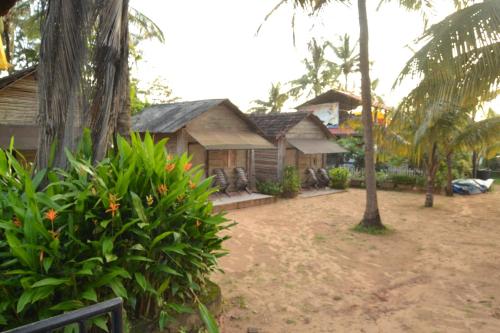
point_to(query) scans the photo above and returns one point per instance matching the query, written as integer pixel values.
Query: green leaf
(89, 295)
(67, 305)
(18, 249)
(25, 298)
(160, 237)
(107, 248)
(209, 321)
(141, 280)
(139, 208)
(47, 263)
(118, 288)
(49, 282)
(102, 323)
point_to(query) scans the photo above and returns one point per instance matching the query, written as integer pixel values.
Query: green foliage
(129, 226)
(291, 182)
(275, 102)
(339, 178)
(355, 147)
(403, 179)
(269, 187)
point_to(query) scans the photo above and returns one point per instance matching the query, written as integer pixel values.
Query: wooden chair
(221, 181)
(242, 180)
(311, 178)
(323, 178)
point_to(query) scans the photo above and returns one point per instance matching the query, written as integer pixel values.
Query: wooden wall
(266, 164)
(228, 160)
(220, 118)
(19, 102)
(306, 129)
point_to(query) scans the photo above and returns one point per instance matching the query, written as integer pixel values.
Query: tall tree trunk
(62, 58)
(6, 38)
(474, 164)
(124, 113)
(432, 168)
(371, 216)
(449, 178)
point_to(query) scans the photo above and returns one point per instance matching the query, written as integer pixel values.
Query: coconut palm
(321, 73)
(348, 56)
(274, 103)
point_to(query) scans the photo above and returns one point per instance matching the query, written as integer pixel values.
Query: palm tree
(348, 56)
(275, 102)
(320, 73)
(73, 94)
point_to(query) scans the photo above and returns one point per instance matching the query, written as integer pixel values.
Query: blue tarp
(471, 186)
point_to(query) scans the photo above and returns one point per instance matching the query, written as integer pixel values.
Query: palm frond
(147, 27)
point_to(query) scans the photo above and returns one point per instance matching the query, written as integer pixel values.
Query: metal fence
(391, 170)
(113, 306)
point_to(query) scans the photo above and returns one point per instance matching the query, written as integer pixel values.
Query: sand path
(296, 266)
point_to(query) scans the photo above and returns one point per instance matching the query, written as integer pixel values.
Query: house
(335, 108)
(215, 132)
(302, 140)
(19, 111)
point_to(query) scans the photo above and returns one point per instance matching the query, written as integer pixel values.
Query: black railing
(113, 306)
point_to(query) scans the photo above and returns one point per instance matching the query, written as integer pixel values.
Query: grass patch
(373, 231)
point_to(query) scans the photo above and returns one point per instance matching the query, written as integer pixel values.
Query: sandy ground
(296, 266)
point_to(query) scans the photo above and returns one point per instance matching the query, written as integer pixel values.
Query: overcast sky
(212, 51)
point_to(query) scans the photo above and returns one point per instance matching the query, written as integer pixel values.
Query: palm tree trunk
(371, 216)
(474, 164)
(7, 38)
(431, 175)
(60, 71)
(449, 186)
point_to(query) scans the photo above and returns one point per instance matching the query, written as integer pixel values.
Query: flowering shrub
(137, 225)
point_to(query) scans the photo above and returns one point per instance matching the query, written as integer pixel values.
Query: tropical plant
(291, 182)
(274, 103)
(321, 73)
(138, 225)
(339, 178)
(269, 187)
(348, 56)
(355, 147)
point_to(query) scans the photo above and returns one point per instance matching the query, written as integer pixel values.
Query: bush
(403, 179)
(339, 178)
(291, 182)
(137, 225)
(269, 187)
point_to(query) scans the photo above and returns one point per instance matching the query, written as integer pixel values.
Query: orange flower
(169, 167)
(188, 166)
(17, 222)
(162, 189)
(51, 215)
(113, 208)
(192, 185)
(198, 223)
(169, 157)
(42, 254)
(150, 200)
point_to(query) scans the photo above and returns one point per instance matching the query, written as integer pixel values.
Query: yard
(296, 266)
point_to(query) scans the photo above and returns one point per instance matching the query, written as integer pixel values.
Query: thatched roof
(347, 101)
(8, 80)
(276, 125)
(169, 118)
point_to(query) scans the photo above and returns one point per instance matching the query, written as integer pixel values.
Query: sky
(211, 48)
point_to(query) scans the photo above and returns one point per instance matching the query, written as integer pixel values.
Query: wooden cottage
(19, 111)
(215, 132)
(302, 140)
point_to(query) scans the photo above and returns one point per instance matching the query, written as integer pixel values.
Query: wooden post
(182, 141)
(251, 168)
(207, 159)
(281, 158)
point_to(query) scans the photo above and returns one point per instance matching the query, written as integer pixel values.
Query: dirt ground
(296, 266)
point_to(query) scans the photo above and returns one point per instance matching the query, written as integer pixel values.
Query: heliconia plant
(138, 225)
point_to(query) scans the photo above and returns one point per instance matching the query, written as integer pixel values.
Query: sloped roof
(347, 101)
(8, 80)
(169, 118)
(276, 125)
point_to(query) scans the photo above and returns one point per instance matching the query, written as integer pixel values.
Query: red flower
(192, 185)
(17, 222)
(188, 166)
(162, 189)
